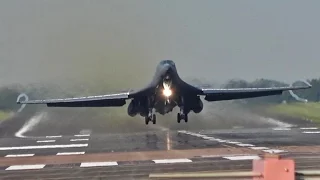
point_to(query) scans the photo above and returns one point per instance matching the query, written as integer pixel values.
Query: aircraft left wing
(107, 100)
(241, 93)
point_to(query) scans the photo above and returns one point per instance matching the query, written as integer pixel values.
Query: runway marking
(311, 132)
(220, 140)
(241, 157)
(69, 153)
(212, 139)
(281, 129)
(258, 148)
(43, 147)
(274, 151)
(226, 155)
(245, 145)
(95, 164)
(208, 138)
(59, 136)
(79, 139)
(251, 146)
(25, 167)
(82, 135)
(158, 161)
(233, 142)
(309, 128)
(19, 155)
(44, 141)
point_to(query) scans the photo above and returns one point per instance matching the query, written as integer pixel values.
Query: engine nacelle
(133, 108)
(198, 106)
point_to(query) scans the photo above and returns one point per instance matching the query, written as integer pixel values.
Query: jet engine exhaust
(167, 92)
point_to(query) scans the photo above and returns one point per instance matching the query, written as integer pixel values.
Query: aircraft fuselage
(169, 91)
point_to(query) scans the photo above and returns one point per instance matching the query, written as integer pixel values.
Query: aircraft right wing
(242, 93)
(107, 100)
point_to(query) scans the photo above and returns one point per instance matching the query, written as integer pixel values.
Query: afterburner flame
(167, 92)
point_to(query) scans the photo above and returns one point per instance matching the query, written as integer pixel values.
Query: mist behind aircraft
(118, 44)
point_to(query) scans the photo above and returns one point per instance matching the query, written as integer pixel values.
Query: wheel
(146, 120)
(186, 118)
(178, 118)
(154, 119)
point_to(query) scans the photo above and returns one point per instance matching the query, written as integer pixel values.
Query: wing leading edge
(118, 99)
(242, 93)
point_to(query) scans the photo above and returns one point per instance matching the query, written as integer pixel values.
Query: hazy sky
(106, 41)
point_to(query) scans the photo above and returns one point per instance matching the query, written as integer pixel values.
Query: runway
(136, 155)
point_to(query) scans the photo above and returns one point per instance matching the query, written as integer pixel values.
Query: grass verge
(309, 111)
(4, 115)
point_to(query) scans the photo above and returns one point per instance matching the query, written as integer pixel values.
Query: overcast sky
(123, 40)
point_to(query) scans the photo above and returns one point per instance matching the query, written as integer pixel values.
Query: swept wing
(241, 93)
(118, 99)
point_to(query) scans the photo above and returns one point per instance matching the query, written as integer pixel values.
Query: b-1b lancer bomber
(166, 91)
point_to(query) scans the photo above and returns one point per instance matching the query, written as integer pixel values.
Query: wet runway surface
(136, 155)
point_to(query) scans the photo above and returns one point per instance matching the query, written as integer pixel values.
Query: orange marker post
(272, 167)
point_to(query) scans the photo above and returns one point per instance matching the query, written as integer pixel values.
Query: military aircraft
(166, 91)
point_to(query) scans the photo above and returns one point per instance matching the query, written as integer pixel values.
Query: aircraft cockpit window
(168, 62)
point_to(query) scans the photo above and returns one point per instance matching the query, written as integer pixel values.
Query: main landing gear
(151, 117)
(182, 116)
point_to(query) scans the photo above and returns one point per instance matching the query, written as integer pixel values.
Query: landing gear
(154, 119)
(181, 116)
(151, 117)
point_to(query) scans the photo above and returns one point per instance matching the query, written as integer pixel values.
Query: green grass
(302, 110)
(4, 115)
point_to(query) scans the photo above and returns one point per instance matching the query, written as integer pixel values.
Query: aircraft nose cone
(167, 67)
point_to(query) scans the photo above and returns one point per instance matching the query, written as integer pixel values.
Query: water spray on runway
(32, 122)
(26, 98)
(296, 97)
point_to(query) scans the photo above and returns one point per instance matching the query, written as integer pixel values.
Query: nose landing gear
(182, 116)
(152, 118)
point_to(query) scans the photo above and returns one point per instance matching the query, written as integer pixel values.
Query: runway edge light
(272, 167)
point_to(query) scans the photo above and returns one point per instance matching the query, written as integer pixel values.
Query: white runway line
(95, 164)
(233, 142)
(44, 141)
(226, 155)
(251, 146)
(274, 151)
(158, 161)
(79, 139)
(281, 129)
(241, 157)
(309, 128)
(69, 153)
(221, 141)
(245, 145)
(311, 132)
(82, 135)
(43, 147)
(258, 148)
(54, 136)
(19, 155)
(25, 167)
(208, 138)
